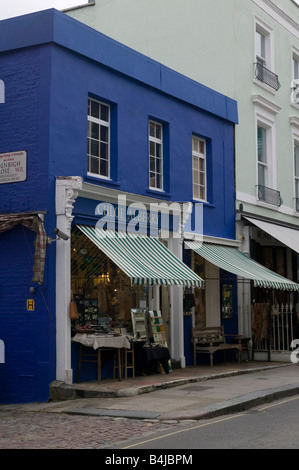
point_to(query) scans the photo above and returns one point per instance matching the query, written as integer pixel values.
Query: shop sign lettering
(13, 167)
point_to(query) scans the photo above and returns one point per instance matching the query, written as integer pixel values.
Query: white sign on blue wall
(13, 167)
(2, 92)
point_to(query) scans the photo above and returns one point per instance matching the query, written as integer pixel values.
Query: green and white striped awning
(144, 259)
(234, 261)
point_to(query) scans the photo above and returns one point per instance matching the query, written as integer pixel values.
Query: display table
(146, 356)
(100, 343)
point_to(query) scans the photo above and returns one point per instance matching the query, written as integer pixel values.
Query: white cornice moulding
(294, 121)
(103, 194)
(262, 102)
(279, 15)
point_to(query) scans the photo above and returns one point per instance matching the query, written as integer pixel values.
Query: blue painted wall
(51, 64)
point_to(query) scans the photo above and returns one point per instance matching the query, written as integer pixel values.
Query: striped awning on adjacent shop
(144, 259)
(234, 261)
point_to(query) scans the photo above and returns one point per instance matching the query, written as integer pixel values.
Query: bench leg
(239, 355)
(211, 359)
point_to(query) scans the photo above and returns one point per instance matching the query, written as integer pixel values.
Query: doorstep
(111, 388)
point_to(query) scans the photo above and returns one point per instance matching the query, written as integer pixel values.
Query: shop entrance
(109, 306)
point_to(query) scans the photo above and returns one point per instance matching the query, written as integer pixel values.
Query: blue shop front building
(100, 130)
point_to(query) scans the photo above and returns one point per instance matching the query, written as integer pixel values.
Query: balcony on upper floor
(265, 76)
(269, 196)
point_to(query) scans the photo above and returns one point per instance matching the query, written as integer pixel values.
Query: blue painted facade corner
(51, 64)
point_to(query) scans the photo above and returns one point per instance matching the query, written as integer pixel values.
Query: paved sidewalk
(111, 388)
(106, 422)
(197, 400)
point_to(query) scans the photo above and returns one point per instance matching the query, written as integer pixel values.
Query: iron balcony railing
(268, 195)
(265, 75)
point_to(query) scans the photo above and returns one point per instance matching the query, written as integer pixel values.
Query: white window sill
(157, 190)
(294, 105)
(264, 86)
(203, 201)
(99, 177)
(266, 205)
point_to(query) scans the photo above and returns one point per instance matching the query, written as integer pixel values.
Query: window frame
(265, 116)
(199, 156)
(264, 164)
(106, 124)
(265, 30)
(158, 141)
(295, 58)
(296, 178)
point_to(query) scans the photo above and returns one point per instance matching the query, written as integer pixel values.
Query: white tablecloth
(95, 342)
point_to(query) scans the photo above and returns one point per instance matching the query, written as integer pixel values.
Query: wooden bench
(211, 339)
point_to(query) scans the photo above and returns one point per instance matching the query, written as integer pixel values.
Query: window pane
(195, 145)
(104, 113)
(89, 129)
(104, 151)
(104, 134)
(261, 175)
(202, 193)
(202, 146)
(152, 180)
(158, 151)
(104, 167)
(94, 148)
(195, 164)
(202, 178)
(262, 144)
(195, 177)
(296, 68)
(152, 164)
(94, 165)
(152, 149)
(297, 160)
(196, 191)
(297, 189)
(159, 181)
(94, 109)
(260, 45)
(201, 164)
(152, 130)
(95, 128)
(158, 131)
(159, 166)
(88, 146)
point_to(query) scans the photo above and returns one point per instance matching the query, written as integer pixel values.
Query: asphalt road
(272, 426)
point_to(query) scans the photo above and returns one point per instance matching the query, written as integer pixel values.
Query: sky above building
(9, 9)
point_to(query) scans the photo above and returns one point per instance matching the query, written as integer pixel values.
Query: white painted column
(244, 291)
(66, 193)
(213, 307)
(176, 309)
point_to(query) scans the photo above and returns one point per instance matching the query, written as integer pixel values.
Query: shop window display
(101, 290)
